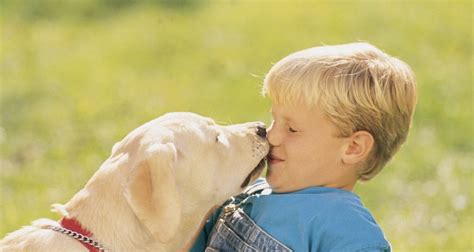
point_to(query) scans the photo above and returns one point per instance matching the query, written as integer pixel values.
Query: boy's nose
(261, 131)
(272, 136)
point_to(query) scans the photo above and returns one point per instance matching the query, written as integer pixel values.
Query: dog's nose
(261, 131)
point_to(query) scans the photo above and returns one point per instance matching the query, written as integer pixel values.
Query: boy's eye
(290, 129)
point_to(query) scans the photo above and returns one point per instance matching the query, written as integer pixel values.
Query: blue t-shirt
(311, 219)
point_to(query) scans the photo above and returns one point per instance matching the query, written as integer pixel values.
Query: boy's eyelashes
(290, 129)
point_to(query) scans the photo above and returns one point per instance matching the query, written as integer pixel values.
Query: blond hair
(357, 86)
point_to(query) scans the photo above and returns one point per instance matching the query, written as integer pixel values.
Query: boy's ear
(358, 147)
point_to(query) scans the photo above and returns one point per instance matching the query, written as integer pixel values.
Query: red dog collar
(79, 233)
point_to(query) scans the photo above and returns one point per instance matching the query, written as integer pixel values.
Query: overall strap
(260, 186)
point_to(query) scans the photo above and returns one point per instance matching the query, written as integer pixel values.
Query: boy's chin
(273, 181)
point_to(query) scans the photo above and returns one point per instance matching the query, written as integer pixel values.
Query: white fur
(154, 190)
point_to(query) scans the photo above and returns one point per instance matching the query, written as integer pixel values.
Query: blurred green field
(77, 76)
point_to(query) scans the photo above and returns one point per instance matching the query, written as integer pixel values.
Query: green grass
(75, 78)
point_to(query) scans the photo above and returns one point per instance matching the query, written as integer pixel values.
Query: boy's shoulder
(325, 213)
(323, 204)
(320, 203)
(346, 216)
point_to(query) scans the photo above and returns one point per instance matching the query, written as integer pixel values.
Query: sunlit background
(76, 76)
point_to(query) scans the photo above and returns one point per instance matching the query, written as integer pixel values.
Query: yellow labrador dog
(154, 190)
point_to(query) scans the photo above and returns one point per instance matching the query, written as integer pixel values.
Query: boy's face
(305, 150)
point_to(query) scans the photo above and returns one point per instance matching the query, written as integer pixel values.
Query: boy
(339, 114)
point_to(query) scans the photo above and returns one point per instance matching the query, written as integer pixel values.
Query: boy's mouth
(272, 159)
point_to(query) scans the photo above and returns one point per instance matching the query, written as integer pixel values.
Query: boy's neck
(347, 187)
(347, 183)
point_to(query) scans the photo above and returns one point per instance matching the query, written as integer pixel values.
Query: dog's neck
(113, 223)
(190, 241)
(102, 208)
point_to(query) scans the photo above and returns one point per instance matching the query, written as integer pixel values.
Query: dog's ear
(151, 192)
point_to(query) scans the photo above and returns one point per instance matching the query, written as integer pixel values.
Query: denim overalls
(236, 231)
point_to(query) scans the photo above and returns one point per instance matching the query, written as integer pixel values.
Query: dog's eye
(222, 139)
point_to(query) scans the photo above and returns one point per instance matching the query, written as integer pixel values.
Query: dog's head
(184, 156)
